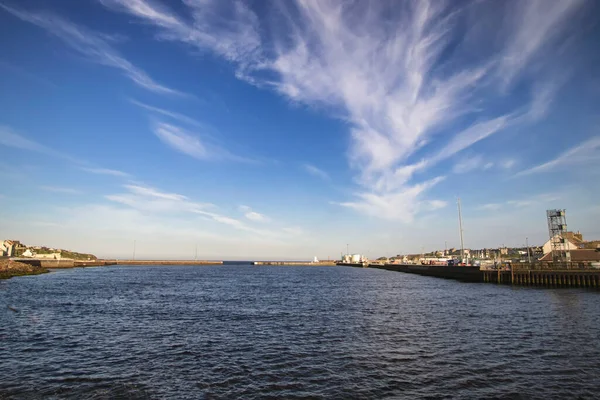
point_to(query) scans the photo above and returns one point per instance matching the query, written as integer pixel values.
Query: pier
(68, 263)
(460, 273)
(298, 263)
(564, 275)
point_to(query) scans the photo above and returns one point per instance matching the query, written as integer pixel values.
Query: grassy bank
(9, 269)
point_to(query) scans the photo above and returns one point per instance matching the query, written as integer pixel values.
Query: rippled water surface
(291, 332)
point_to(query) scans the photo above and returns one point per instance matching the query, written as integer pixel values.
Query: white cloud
(490, 207)
(508, 164)
(468, 164)
(400, 86)
(92, 45)
(230, 30)
(63, 190)
(253, 215)
(319, 173)
(401, 205)
(532, 25)
(11, 139)
(532, 200)
(180, 140)
(154, 201)
(191, 144)
(106, 171)
(585, 153)
(176, 116)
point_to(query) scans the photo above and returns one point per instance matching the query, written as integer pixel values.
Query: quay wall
(582, 278)
(461, 273)
(101, 263)
(572, 278)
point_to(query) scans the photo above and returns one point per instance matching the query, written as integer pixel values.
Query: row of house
(580, 249)
(14, 248)
(11, 248)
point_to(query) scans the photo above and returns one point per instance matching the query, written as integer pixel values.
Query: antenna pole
(460, 228)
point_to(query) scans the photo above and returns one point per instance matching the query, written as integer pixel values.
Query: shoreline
(10, 269)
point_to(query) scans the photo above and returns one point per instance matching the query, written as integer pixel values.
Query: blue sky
(290, 129)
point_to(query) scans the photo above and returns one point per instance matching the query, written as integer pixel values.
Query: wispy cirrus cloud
(176, 116)
(154, 201)
(402, 86)
(92, 45)
(469, 164)
(253, 215)
(586, 153)
(107, 171)
(230, 30)
(532, 200)
(401, 205)
(10, 138)
(490, 207)
(193, 144)
(315, 171)
(63, 190)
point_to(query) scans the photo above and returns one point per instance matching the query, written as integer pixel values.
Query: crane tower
(557, 229)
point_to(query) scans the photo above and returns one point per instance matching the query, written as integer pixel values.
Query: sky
(294, 129)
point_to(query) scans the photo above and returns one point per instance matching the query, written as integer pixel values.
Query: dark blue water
(291, 332)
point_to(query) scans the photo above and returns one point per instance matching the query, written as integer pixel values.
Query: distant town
(580, 251)
(14, 248)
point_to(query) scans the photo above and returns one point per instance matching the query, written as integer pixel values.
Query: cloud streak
(107, 171)
(154, 201)
(586, 152)
(176, 116)
(253, 215)
(62, 190)
(91, 45)
(11, 139)
(314, 171)
(411, 91)
(193, 144)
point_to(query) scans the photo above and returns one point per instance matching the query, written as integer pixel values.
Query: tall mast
(460, 229)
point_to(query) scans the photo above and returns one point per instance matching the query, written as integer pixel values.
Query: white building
(354, 259)
(568, 244)
(28, 253)
(7, 248)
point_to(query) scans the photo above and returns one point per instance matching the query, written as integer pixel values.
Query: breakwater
(163, 262)
(297, 263)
